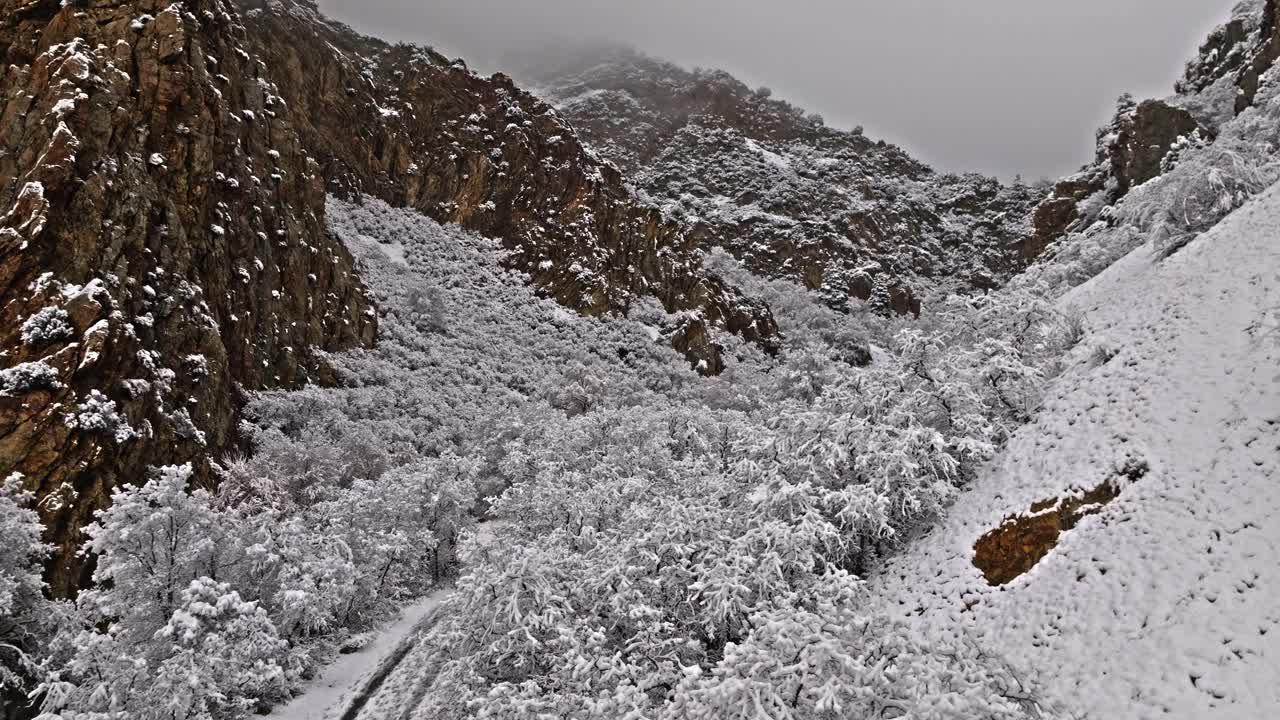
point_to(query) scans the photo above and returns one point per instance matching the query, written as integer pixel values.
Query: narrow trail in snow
(370, 688)
(343, 687)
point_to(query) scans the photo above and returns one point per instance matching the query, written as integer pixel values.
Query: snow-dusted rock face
(415, 129)
(161, 244)
(853, 218)
(1144, 140)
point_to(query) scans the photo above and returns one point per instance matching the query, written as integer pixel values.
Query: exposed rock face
(161, 243)
(407, 125)
(1143, 140)
(1137, 144)
(1242, 50)
(1021, 542)
(849, 217)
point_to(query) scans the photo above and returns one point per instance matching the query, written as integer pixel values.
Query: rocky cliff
(161, 245)
(163, 173)
(415, 129)
(847, 216)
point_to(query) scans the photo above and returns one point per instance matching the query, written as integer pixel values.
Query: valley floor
(1164, 603)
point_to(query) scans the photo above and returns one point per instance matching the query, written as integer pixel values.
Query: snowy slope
(1164, 604)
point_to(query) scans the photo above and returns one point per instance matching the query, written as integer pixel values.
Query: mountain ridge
(852, 218)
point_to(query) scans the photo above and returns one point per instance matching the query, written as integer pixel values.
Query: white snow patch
(769, 156)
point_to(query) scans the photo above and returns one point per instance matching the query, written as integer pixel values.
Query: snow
(1163, 604)
(393, 250)
(329, 695)
(769, 156)
(63, 107)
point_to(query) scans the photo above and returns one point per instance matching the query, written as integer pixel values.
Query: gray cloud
(998, 86)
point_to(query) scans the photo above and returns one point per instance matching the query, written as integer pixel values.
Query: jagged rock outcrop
(1143, 140)
(1237, 53)
(847, 216)
(415, 129)
(1221, 83)
(161, 245)
(1131, 151)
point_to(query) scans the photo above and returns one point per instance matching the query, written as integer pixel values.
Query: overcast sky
(997, 86)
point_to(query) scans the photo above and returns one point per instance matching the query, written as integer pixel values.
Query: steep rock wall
(161, 245)
(407, 125)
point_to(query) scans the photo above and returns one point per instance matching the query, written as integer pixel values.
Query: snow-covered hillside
(1163, 603)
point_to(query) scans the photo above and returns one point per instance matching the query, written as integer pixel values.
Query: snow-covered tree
(23, 610)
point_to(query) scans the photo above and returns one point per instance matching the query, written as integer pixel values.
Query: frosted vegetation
(671, 545)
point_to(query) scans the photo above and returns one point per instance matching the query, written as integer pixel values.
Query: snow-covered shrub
(1177, 207)
(50, 325)
(199, 610)
(184, 427)
(216, 656)
(812, 655)
(158, 638)
(22, 605)
(427, 310)
(400, 529)
(28, 377)
(98, 414)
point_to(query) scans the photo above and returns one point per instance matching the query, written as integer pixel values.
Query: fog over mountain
(999, 86)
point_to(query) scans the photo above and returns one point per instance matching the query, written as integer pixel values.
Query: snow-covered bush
(216, 656)
(98, 414)
(50, 325)
(198, 610)
(1179, 206)
(28, 377)
(157, 637)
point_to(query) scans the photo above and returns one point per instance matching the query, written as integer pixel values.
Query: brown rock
(904, 302)
(1144, 140)
(861, 286)
(1022, 541)
(1051, 220)
(144, 191)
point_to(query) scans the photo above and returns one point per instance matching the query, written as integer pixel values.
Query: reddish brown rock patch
(1022, 541)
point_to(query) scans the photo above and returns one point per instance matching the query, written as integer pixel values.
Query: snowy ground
(331, 695)
(1167, 603)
